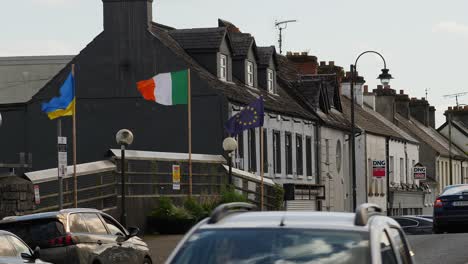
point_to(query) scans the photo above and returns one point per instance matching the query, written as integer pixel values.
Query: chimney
(385, 102)
(358, 87)
(127, 16)
(419, 109)
(432, 116)
(458, 114)
(305, 64)
(402, 104)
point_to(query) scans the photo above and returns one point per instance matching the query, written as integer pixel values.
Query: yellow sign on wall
(176, 177)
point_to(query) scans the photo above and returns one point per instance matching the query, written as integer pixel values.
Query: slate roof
(372, 122)
(241, 43)
(236, 91)
(313, 93)
(264, 55)
(429, 136)
(458, 125)
(198, 38)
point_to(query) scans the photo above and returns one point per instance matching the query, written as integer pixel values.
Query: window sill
(310, 178)
(290, 176)
(277, 175)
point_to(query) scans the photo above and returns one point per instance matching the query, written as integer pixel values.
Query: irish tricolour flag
(166, 88)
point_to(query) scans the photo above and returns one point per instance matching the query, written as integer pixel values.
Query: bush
(230, 195)
(165, 208)
(278, 201)
(196, 209)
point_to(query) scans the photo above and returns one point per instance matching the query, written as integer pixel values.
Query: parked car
(79, 236)
(451, 209)
(13, 250)
(235, 234)
(414, 225)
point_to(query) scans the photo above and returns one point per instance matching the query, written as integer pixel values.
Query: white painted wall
(337, 180)
(283, 124)
(376, 187)
(443, 172)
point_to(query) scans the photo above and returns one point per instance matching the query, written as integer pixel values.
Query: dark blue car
(451, 209)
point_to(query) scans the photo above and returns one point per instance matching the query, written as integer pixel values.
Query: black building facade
(132, 48)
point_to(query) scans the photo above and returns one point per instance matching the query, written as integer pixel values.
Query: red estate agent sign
(419, 172)
(379, 168)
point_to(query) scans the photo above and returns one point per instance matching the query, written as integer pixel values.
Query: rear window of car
(279, 245)
(455, 190)
(37, 232)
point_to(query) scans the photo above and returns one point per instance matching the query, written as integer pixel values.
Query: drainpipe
(367, 168)
(387, 161)
(318, 154)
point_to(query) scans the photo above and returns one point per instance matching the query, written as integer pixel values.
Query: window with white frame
(222, 67)
(250, 74)
(271, 81)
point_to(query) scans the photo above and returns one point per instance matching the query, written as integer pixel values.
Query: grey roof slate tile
(199, 38)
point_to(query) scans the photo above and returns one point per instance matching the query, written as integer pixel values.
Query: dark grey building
(228, 71)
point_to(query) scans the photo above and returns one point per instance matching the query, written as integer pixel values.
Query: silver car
(79, 236)
(14, 250)
(236, 234)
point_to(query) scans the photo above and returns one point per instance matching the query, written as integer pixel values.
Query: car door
(108, 249)
(126, 247)
(21, 248)
(401, 249)
(7, 252)
(387, 251)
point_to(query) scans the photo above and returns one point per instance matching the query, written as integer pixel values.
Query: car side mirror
(133, 231)
(37, 253)
(27, 256)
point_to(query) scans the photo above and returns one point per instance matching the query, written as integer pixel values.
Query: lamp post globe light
(230, 145)
(124, 138)
(384, 78)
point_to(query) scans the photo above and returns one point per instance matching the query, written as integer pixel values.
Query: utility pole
(282, 25)
(449, 117)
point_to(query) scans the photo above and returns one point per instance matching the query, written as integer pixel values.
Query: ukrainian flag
(63, 105)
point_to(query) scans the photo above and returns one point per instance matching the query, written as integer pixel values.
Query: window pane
(275, 246)
(277, 152)
(406, 222)
(94, 223)
(388, 256)
(77, 225)
(299, 154)
(240, 150)
(265, 150)
(113, 227)
(252, 150)
(19, 246)
(400, 246)
(6, 249)
(288, 149)
(309, 156)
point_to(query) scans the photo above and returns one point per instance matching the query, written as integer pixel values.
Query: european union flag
(249, 117)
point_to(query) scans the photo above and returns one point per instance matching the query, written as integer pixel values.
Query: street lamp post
(230, 145)
(124, 138)
(385, 78)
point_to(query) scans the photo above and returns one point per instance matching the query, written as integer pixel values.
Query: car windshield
(279, 245)
(455, 190)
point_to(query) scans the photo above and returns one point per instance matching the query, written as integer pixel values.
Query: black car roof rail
(223, 210)
(366, 211)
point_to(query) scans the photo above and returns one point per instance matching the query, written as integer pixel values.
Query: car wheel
(147, 261)
(438, 230)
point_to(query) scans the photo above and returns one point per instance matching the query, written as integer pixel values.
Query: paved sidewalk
(161, 246)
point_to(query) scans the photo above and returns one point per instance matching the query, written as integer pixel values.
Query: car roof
(288, 219)
(47, 215)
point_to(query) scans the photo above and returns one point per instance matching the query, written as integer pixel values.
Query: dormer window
(250, 74)
(222, 67)
(271, 81)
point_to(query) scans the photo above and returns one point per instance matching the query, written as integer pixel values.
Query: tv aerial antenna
(455, 95)
(282, 25)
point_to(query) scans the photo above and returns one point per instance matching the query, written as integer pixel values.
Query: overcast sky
(425, 42)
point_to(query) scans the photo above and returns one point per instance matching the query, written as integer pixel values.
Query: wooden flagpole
(75, 181)
(190, 131)
(261, 168)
